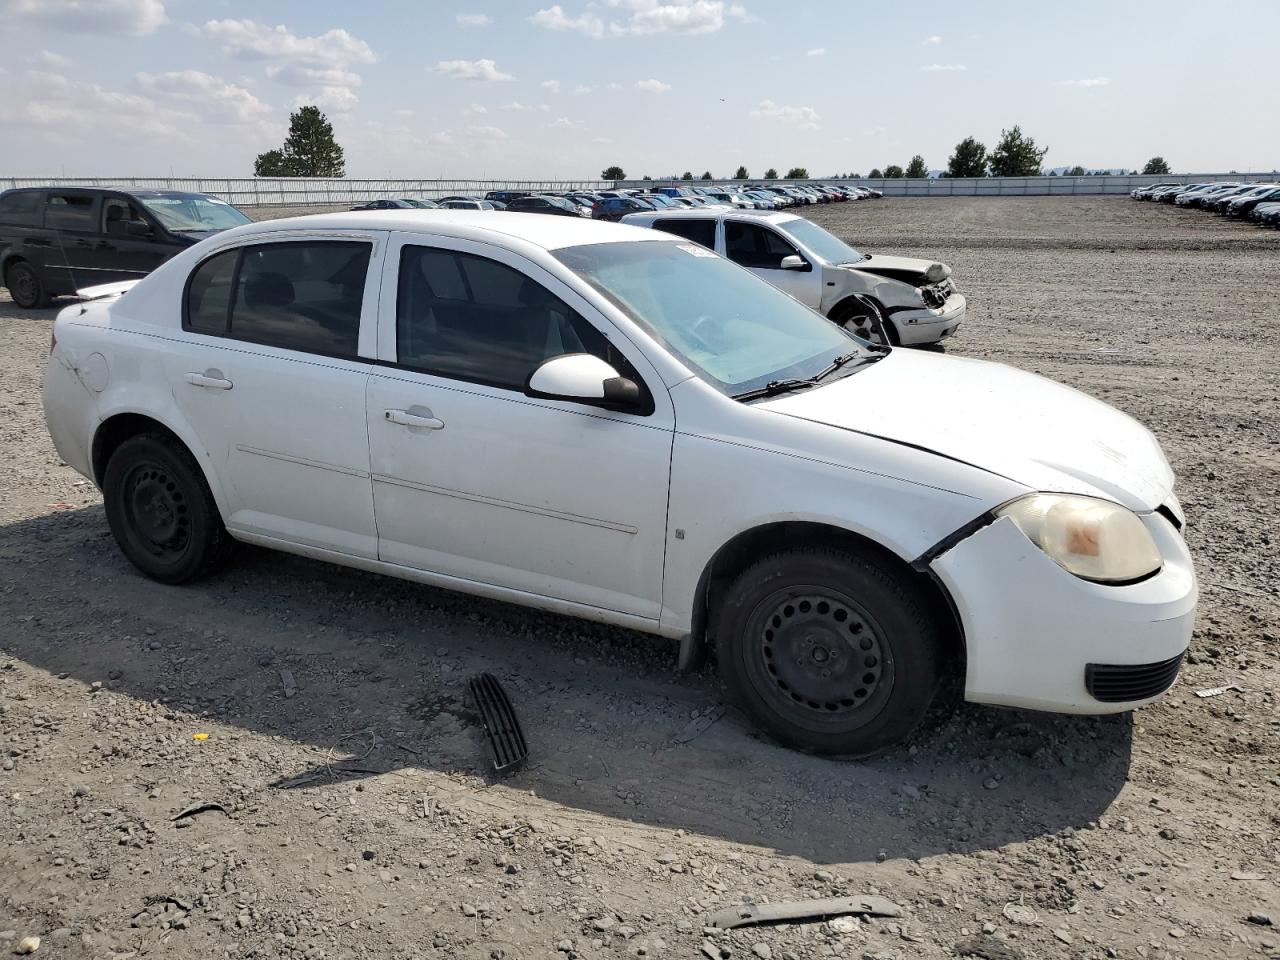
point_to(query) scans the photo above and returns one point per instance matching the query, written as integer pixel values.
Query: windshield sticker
(695, 250)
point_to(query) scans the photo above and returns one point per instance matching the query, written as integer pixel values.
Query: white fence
(996, 186)
(305, 191)
(302, 191)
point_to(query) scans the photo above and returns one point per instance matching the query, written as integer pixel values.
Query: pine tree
(1016, 155)
(310, 150)
(969, 160)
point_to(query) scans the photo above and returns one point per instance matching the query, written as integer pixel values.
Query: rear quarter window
(69, 212)
(21, 208)
(699, 231)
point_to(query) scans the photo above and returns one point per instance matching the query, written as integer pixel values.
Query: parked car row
(1257, 201)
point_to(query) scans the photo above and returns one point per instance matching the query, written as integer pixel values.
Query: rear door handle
(407, 419)
(207, 379)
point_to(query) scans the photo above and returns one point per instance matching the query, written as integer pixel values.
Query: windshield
(193, 214)
(828, 248)
(736, 331)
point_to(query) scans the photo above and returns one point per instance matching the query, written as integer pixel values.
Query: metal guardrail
(992, 186)
(306, 191)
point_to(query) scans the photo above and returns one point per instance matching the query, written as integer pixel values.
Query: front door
(761, 250)
(129, 246)
(271, 372)
(476, 481)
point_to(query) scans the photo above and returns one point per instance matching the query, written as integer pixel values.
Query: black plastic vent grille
(502, 730)
(1120, 683)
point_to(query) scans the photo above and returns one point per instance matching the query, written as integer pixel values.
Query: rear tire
(829, 650)
(161, 511)
(25, 286)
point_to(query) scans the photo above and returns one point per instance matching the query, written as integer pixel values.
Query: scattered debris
(700, 724)
(1242, 875)
(27, 945)
(1261, 919)
(752, 913)
(1218, 691)
(507, 747)
(286, 680)
(714, 952)
(198, 808)
(1021, 913)
(201, 737)
(987, 948)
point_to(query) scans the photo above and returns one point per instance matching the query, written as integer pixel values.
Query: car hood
(906, 269)
(1006, 421)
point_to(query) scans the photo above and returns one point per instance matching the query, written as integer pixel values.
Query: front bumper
(929, 325)
(1033, 631)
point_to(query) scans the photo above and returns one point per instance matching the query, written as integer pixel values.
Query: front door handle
(407, 419)
(212, 379)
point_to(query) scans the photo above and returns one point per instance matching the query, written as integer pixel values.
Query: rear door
(71, 233)
(279, 343)
(475, 481)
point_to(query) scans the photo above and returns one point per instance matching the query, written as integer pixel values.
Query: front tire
(864, 320)
(161, 512)
(25, 286)
(829, 651)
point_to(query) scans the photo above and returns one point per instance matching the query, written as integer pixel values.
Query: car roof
(702, 213)
(550, 233)
(138, 192)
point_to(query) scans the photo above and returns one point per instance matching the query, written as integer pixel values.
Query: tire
(161, 511)
(864, 320)
(25, 286)
(829, 651)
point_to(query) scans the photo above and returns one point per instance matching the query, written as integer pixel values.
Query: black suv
(56, 240)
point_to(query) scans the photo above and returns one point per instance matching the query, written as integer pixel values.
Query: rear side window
(753, 246)
(69, 211)
(21, 207)
(299, 296)
(699, 231)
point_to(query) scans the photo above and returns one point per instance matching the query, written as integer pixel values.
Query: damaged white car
(620, 425)
(895, 300)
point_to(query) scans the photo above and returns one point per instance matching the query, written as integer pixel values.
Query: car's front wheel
(25, 286)
(829, 650)
(161, 511)
(864, 319)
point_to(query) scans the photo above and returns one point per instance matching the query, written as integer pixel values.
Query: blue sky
(510, 88)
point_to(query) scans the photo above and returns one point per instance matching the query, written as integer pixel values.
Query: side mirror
(139, 228)
(793, 262)
(583, 378)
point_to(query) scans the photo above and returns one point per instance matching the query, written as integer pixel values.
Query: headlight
(1093, 539)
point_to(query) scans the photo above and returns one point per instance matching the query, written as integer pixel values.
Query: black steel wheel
(161, 511)
(25, 286)
(831, 651)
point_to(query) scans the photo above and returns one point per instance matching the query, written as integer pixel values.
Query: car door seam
(508, 504)
(303, 461)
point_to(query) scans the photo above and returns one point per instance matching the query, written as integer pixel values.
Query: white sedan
(621, 425)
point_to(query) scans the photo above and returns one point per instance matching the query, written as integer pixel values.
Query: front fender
(840, 283)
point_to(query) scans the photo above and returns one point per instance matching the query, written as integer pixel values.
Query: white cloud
(601, 140)
(474, 19)
(211, 97)
(135, 17)
(639, 18)
(515, 106)
(471, 70)
(805, 117)
(403, 112)
(653, 86)
(563, 122)
(321, 67)
(582, 89)
(551, 86)
(1091, 82)
(874, 132)
(49, 58)
(817, 52)
(944, 68)
(475, 110)
(931, 41)
(250, 40)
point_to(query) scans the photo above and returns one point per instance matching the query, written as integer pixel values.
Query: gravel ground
(357, 819)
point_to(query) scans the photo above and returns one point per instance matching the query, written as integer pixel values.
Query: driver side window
(751, 245)
(116, 213)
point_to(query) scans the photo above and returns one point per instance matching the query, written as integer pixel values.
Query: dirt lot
(359, 821)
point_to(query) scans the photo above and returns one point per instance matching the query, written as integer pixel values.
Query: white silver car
(620, 425)
(895, 300)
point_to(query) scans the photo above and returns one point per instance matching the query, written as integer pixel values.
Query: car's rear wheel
(25, 286)
(161, 511)
(864, 320)
(829, 650)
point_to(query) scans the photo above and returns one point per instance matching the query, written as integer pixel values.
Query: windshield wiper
(773, 388)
